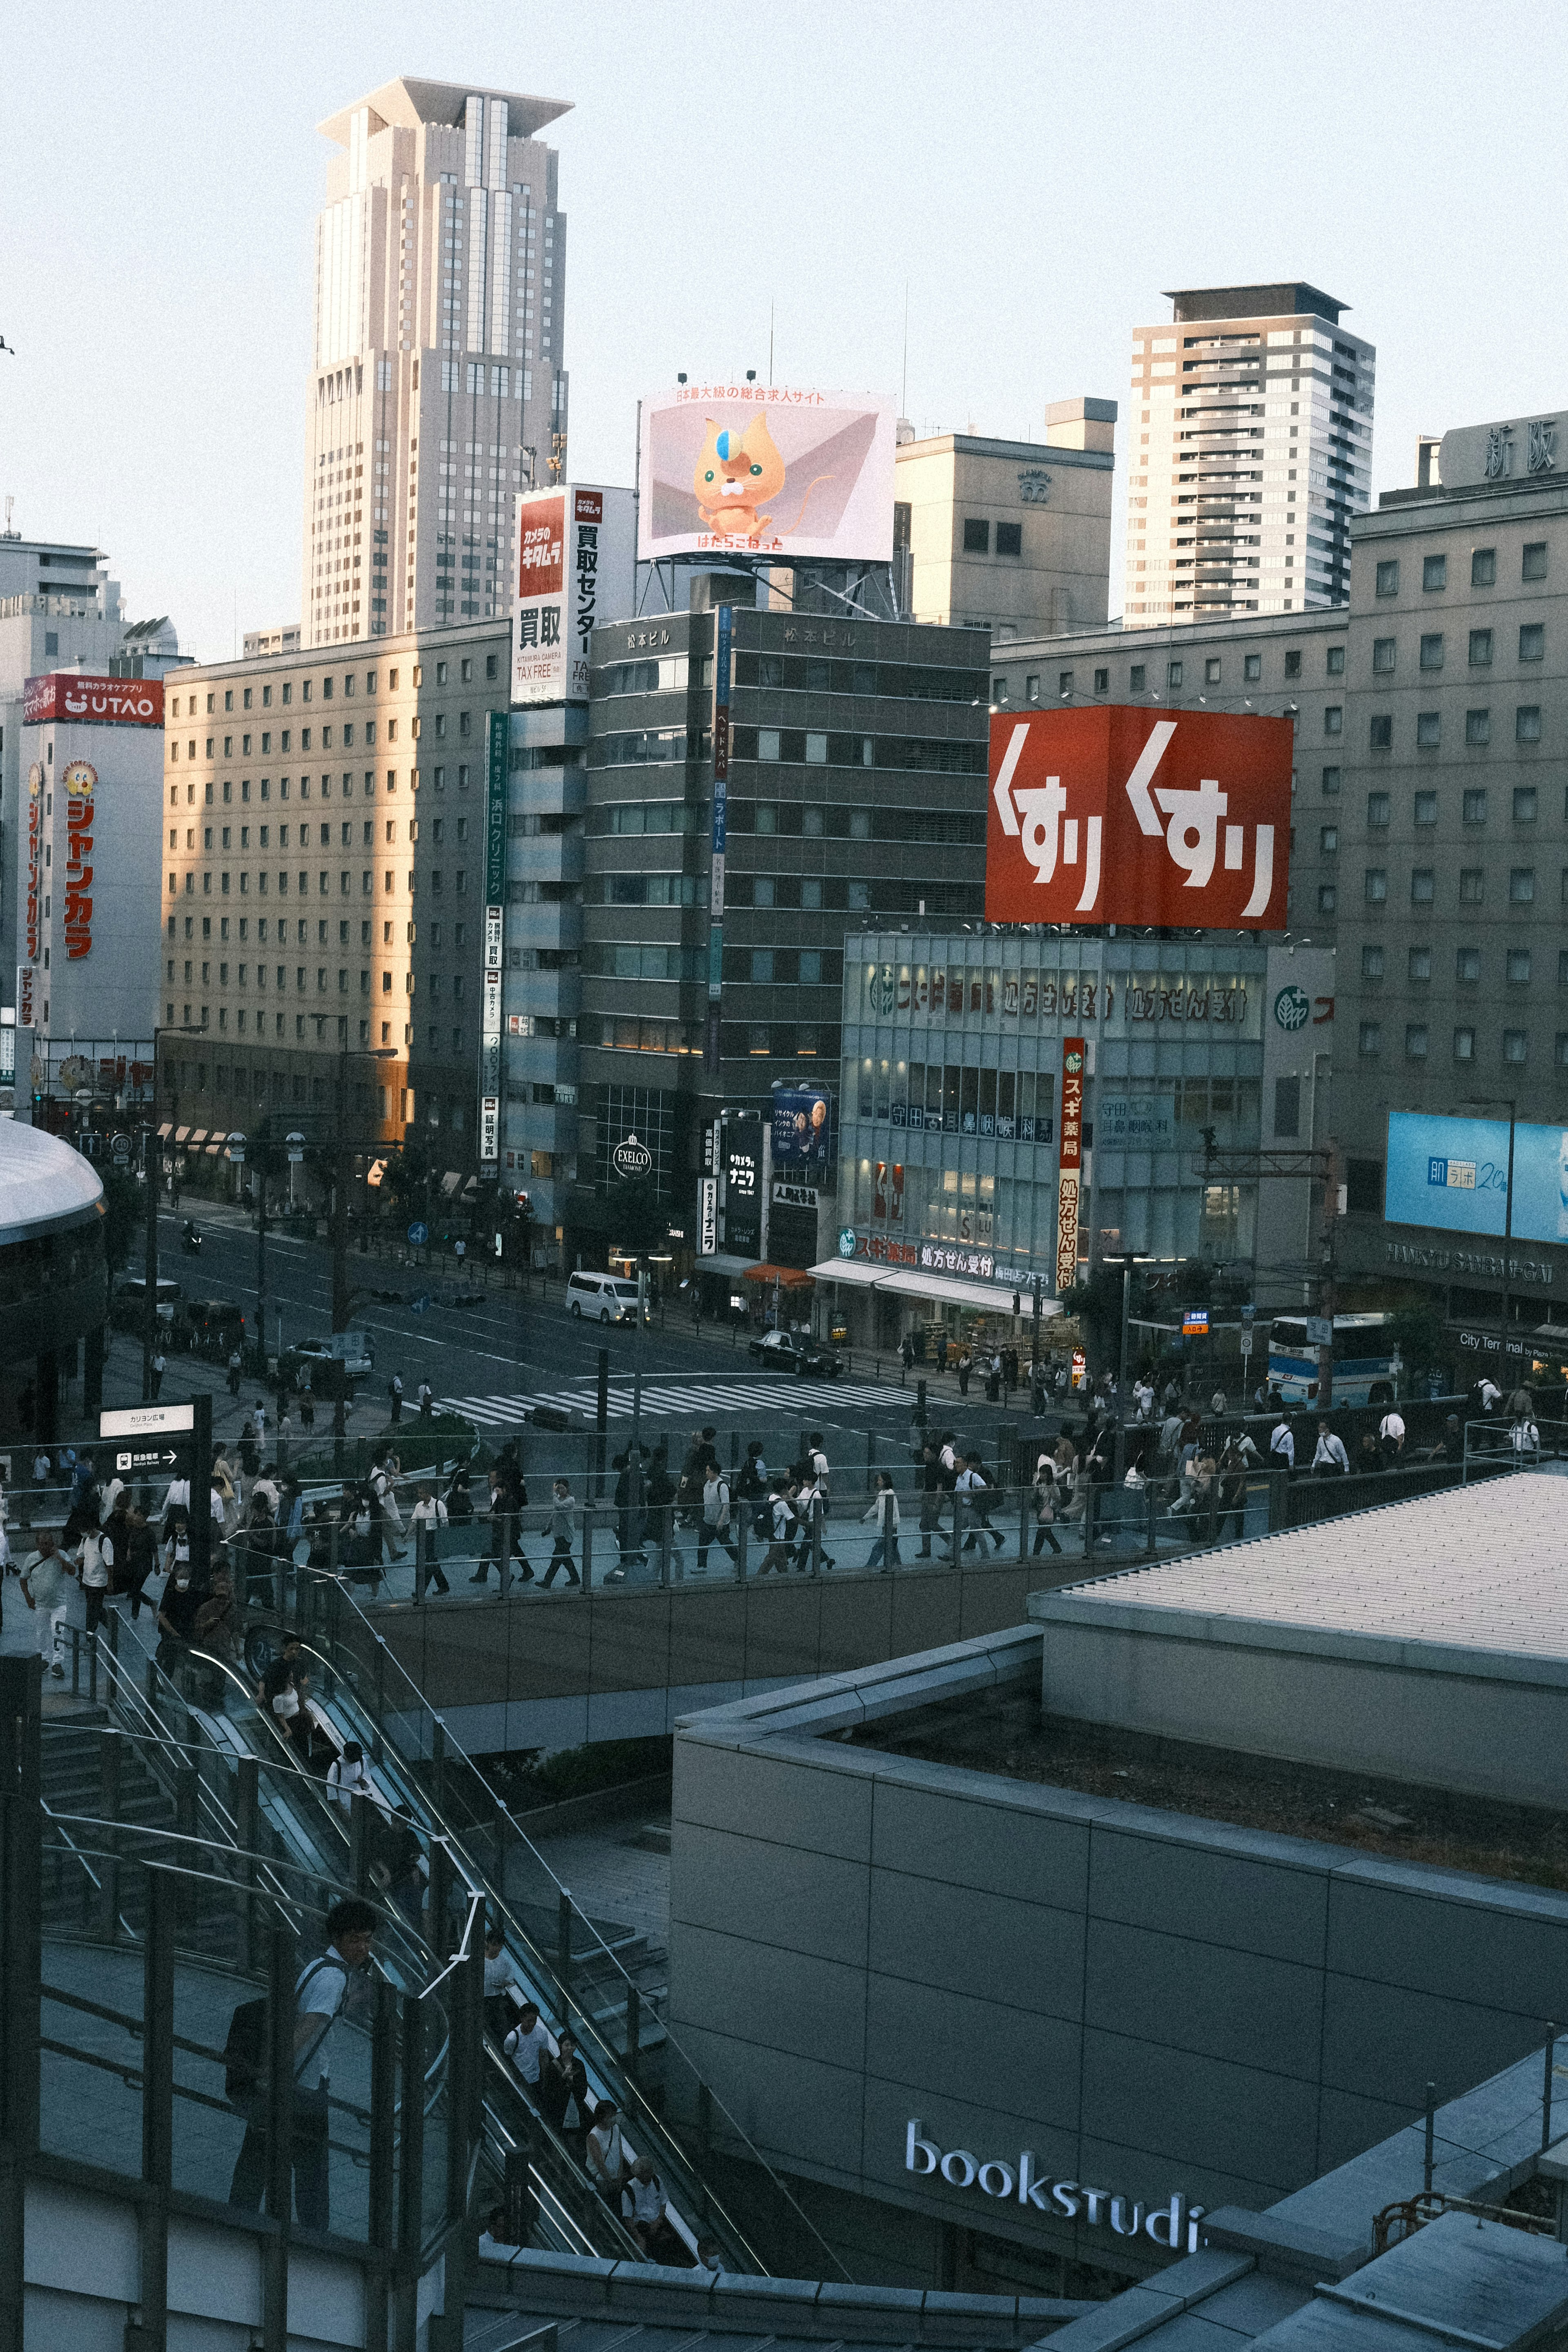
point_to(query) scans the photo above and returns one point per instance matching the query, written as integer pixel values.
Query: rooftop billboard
(92, 701)
(575, 569)
(767, 469)
(1117, 814)
(1453, 1173)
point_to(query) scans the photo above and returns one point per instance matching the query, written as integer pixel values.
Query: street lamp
(342, 1302)
(1512, 1102)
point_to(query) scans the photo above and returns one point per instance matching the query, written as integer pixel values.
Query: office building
(1249, 455)
(542, 984)
(271, 641)
(322, 889)
(1454, 978)
(857, 788)
(436, 389)
(1012, 536)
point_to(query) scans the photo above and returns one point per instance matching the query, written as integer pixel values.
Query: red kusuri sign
(92, 701)
(1113, 815)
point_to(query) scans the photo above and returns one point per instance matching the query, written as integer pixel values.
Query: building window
(1372, 963)
(1464, 1045)
(1370, 1038)
(1432, 651)
(1031, 687)
(999, 692)
(1524, 803)
(1330, 783)
(1173, 673)
(1102, 681)
(1211, 670)
(1064, 681)
(1426, 808)
(1521, 886)
(1388, 578)
(1423, 886)
(1328, 898)
(1483, 567)
(1381, 738)
(1563, 967)
(1329, 840)
(1287, 1107)
(1251, 667)
(1334, 718)
(1527, 723)
(1532, 641)
(1515, 1044)
(1434, 572)
(1475, 805)
(1376, 885)
(1135, 677)
(1416, 1041)
(1336, 661)
(1420, 964)
(1533, 563)
(1377, 812)
(1383, 651)
(1477, 726)
(1472, 886)
(1468, 966)
(1516, 964)
(1009, 539)
(1428, 730)
(1293, 661)
(1480, 649)
(976, 536)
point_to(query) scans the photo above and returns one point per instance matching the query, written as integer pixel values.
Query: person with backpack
(430, 1512)
(322, 1990)
(383, 1488)
(715, 1528)
(754, 1484)
(933, 1495)
(426, 1400)
(1281, 1446)
(974, 1486)
(776, 1520)
(884, 1552)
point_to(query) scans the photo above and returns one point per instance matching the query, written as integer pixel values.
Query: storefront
(1002, 1091)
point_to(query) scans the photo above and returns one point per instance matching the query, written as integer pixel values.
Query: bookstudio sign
(1174, 2225)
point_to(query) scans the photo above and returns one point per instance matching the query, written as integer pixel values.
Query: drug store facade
(952, 1157)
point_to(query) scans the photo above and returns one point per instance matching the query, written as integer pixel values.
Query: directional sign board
(419, 1234)
(153, 1459)
(148, 1420)
(1320, 1331)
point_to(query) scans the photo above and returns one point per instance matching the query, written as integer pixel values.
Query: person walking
(1281, 1446)
(821, 1476)
(322, 1993)
(933, 1494)
(715, 1519)
(1044, 1503)
(561, 1536)
(1390, 1434)
(394, 1391)
(430, 1512)
(307, 1409)
(965, 1367)
(884, 1552)
(426, 1400)
(781, 1526)
(605, 2153)
(95, 1559)
(1524, 1438)
(46, 1578)
(159, 1366)
(235, 1367)
(563, 2098)
(974, 1486)
(1329, 1459)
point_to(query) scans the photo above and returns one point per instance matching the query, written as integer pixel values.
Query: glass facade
(951, 1078)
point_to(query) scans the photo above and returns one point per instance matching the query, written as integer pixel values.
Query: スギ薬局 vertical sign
(1070, 1163)
(495, 902)
(723, 637)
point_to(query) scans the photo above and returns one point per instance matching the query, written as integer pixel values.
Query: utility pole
(153, 1169)
(263, 1142)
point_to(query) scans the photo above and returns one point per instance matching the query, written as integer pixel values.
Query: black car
(788, 1351)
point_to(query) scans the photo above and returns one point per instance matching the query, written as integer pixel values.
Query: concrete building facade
(1013, 536)
(322, 886)
(435, 390)
(1249, 455)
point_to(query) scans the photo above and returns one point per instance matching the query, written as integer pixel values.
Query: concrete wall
(1148, 2002)
(1487, 1724)
(556, 1671)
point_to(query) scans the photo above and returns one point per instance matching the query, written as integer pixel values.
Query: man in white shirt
(1329, 1459)
(320, 1993)
(1391, 1436)
(430, 1512)
(1490, 1394)
(974, 1486)
(348, 1777)
(501, 1977)
(529, 2043)
(642, 2208)
(1524, 1436)
(1281, 1446)
(820, 1474)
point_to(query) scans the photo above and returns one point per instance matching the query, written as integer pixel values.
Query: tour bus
(1363, 1359)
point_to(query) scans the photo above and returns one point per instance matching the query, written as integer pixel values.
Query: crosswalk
(664, 1400)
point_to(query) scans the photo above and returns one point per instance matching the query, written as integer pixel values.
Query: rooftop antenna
(10, 502)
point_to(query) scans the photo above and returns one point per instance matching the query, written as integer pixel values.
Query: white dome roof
(44, 1183)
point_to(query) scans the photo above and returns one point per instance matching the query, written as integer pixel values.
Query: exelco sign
(1174, 2225)
(1111, 815)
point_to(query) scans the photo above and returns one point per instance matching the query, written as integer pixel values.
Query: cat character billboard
(767, 469)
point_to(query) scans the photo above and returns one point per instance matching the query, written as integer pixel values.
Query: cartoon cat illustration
(736, 473)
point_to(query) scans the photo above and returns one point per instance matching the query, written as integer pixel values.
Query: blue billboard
(1453, 1173)
(803, 1128)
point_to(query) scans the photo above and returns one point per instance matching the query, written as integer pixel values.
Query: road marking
(663, 1400)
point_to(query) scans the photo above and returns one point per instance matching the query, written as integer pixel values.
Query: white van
(601, 1297)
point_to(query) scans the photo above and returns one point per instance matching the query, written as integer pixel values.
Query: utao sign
(1173, 2226)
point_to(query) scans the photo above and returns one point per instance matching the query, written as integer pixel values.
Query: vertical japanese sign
(575, 570)
(34, 856)
(78, 781)
(721, 651)
(495, 902)
(1070, 1163)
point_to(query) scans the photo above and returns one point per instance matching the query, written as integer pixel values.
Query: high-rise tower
(1249, 452)
(437, 390)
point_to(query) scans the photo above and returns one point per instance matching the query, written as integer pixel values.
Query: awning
(854, 1271)
(988, 1297)
(733, 1268)
(789, 1277)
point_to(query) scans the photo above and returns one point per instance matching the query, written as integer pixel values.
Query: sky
(1029, 177)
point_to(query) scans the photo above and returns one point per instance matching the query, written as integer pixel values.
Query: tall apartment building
(856, 790)
(436, 389)
(1249, 455)
(324, 885)
(1454, 972)
(1012, 536)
